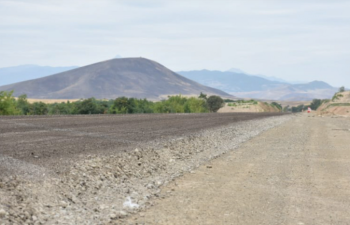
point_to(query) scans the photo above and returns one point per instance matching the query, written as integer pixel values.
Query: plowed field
(55, 141)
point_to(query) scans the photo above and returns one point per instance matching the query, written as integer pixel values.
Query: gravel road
(296, 173)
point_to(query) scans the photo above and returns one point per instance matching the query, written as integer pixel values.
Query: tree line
(316, 103)
(10, 105)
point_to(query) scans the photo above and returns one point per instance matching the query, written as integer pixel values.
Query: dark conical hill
(130, 77)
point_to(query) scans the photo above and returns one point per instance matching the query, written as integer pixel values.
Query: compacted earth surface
(296, 173)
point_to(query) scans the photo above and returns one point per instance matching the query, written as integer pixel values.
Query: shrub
(315, 104)
(8, 104)
(215, 103)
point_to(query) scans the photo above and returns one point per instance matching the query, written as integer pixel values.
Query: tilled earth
(54, 141)
(101, 169)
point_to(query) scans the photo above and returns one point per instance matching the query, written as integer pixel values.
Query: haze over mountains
(250, 86)
(10, 75)
(130, 77)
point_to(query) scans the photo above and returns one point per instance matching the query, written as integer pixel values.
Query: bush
(277, 105)
(215, 103)
(299, 108)
(8, 104)
(315, 104)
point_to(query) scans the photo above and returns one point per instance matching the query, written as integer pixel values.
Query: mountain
(273, 78)
(230, 81)
(130, 77)
(314, 85)
(10, 75)
(250, 86)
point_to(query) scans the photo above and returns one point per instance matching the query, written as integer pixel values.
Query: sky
(291, 39)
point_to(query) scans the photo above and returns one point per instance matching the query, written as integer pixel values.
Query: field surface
(56, 141)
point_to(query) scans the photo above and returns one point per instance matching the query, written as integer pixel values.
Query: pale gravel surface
(106, 188)
(296, 173)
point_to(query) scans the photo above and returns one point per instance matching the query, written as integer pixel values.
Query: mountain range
(234, 81)
(251, 86)
(130, 77)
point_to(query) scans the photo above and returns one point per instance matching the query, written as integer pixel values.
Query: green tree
(215, 103)
(120, 105)
(299, 108)
(87, 106)
(8, 104)
(195, 105)
(342, 89)
(315, 104)
(38, 108)
(23, 105)
(203, 96)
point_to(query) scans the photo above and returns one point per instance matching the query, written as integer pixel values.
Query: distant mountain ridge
(15, 74)
(230, 81)
(251, 86)
(130, 77)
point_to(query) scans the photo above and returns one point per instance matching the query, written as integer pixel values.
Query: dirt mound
(339, 105)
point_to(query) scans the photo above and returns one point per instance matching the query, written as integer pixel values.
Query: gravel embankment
(103, 188)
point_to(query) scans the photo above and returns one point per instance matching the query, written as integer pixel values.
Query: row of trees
(122, 105)
(315, 104)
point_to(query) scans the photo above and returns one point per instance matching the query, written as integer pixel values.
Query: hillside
(338, 105)
(130, 77)
(248, 106)
(249, 86)
(10, 75)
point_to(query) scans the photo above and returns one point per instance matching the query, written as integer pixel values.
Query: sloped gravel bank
(104, 189)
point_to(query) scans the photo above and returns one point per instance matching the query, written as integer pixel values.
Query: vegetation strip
(122, 105)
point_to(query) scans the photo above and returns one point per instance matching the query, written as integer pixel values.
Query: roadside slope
(251, 106)
(339, 105)
(296, 173)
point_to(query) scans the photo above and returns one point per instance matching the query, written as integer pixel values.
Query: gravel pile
(105, 189)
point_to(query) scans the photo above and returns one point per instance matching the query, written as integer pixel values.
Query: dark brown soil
(53, 141)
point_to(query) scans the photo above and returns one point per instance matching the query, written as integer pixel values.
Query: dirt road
(296, 173)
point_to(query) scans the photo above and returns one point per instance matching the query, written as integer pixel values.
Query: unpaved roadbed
(296, 173)
(105, 188)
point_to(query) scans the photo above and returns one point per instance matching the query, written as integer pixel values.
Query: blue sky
(294, 40)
